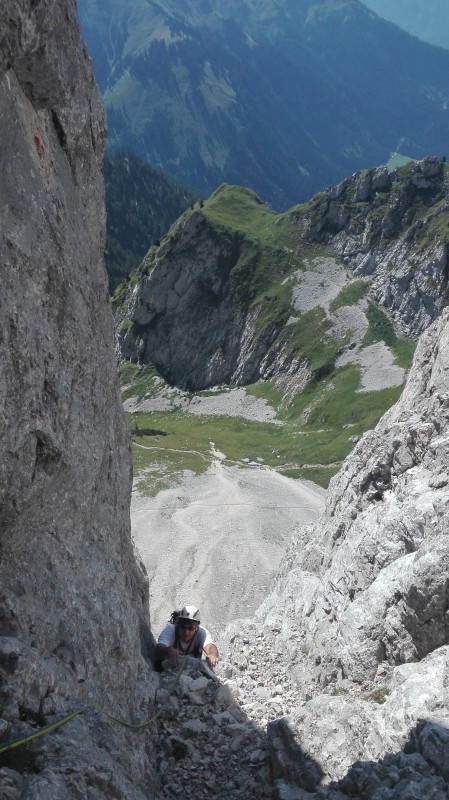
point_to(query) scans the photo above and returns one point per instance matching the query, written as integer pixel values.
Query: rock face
(73, 598)
(359, 611)
(182, 311)
(204, 312)
(352, 643)
(391, 228)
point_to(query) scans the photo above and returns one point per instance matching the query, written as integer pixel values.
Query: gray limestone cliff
(360, 611)
(391, 228)
(224, 298)
(73, 599)
(353, 639)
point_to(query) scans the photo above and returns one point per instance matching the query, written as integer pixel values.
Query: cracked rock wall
(72, 598)
(360, 607)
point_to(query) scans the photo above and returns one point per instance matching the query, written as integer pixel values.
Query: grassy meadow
(310, 436)
(312, 431)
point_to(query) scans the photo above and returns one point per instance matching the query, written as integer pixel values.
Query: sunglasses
(187, 625)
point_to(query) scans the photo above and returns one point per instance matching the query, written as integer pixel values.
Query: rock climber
(185, 636)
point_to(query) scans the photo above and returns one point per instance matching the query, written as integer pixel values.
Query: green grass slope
(311, 435)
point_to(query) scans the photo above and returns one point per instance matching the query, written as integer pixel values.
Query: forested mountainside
(427, 19)
(285, 98)
(141, 204)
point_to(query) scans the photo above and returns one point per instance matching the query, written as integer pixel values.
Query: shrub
(378, 695)
(125, 325)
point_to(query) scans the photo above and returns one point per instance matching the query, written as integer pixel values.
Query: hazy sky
(428, 19)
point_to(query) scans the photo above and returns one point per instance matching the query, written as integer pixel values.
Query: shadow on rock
(420, 770)
(206, 746)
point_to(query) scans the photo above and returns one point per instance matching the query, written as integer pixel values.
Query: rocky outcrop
(352, 643)
(358, 616)
(215, 305)
(207, 745)
(392, 230)
(187, 317)
(73, 598)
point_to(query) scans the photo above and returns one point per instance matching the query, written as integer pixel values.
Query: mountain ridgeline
(347, 659)
(427, 19)
(283, 97)
(141, 204)
(236, 293)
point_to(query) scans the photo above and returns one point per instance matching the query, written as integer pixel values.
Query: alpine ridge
(426, 19)
(357, 619)
(225, 297)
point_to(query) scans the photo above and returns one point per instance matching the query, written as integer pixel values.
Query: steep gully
(358, 611)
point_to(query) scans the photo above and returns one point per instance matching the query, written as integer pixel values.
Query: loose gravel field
(217, 539)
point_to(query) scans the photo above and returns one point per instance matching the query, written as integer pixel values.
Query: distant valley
(285, 98)
(312, 313)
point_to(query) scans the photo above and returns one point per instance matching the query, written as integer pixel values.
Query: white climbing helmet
(190, 612)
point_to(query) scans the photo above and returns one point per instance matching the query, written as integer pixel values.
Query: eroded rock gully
(345, 664)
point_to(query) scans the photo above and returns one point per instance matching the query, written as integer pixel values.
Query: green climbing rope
(55, 725)
(42, 731)
(158, 712)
